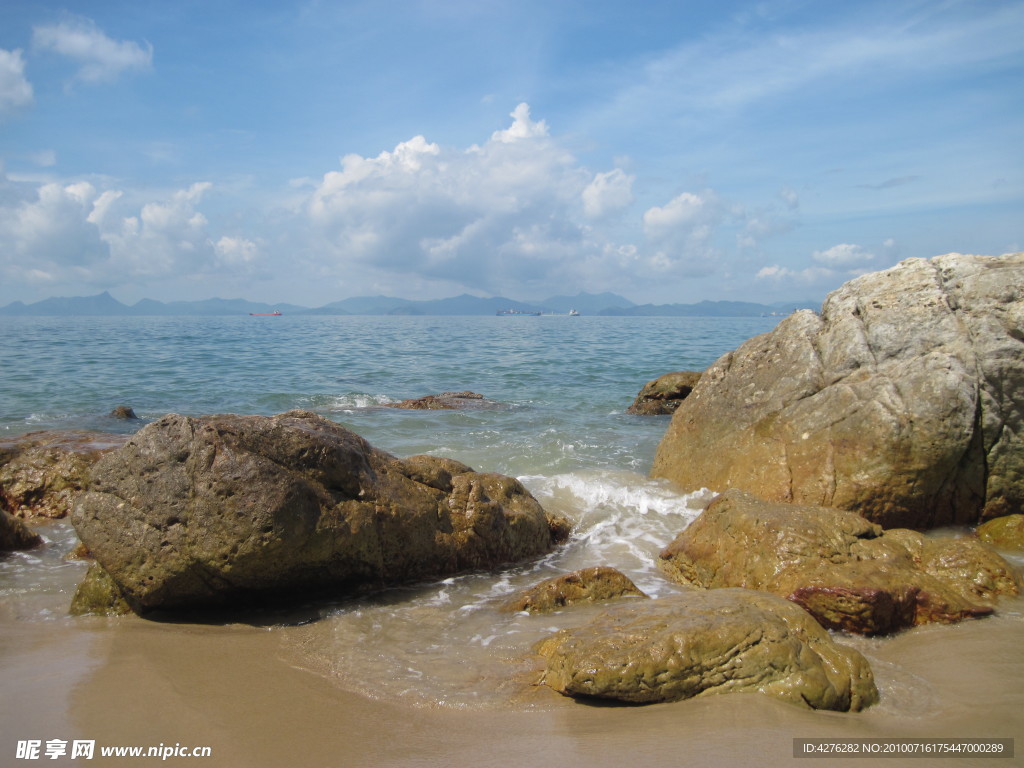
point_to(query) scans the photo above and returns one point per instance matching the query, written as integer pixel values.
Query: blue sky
(668, 151)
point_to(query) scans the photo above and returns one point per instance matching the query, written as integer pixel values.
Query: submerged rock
(664, 394)
(447, 401)
(123, 412)
(41, 473)
(846, 571)
(1004, 532)
(903, 401)
(227, 510)
(585, 586)
(701, 643)
(14, 534)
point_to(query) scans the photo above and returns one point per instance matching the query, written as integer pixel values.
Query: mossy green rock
(664, 394)
(98, 594)
(42, 473)
(708, 642)
(241, 510)
(589, 585)
(1004, 532)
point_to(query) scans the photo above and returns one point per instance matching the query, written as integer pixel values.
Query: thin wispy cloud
(898, 181)
(740, 67)
(99, 57)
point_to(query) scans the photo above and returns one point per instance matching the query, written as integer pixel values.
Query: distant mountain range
(104, 304)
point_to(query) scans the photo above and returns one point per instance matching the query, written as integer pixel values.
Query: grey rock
(903, 401)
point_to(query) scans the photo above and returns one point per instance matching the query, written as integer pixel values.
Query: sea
(557, 390)
(556, 386)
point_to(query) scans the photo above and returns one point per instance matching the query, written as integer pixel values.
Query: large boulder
(664, 394)
(242, 509)
(589, 585)
(702, 643)
(41, 473)
(846, 571)
(902, 401)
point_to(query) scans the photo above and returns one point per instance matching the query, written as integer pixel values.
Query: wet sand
(240, 690)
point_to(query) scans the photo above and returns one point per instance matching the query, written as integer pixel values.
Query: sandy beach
(239, 690)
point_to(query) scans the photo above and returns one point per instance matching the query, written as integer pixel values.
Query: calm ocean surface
(566, 380)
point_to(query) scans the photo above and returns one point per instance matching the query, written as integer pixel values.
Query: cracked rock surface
(903, 400)
(702, 643)
(234, 510)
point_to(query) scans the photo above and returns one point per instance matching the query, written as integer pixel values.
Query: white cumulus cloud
(15, 89)
(165, 238)
(773, 272)
(496, 217)
(55, 225)
(99, 58)
(74, 235)
(681, 233)
(522, 127)
(685, 210)
(608, 193)
(809, 276)
(843, 256)
(236, 251)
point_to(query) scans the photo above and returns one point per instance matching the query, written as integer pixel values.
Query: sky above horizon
(667, 151)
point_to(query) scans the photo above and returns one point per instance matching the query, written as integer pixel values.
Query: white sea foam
(627, 491)
(449, 644)
(353, 401)
(620, 519)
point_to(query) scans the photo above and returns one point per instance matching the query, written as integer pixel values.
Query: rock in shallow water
(664, 394)
(845, 570)
(447, 401)
(233, 510)
(42, 473)
(588, 585)
(903, 401)
(1005, 532)
(14, 534)
(708, 642)
(98, 594)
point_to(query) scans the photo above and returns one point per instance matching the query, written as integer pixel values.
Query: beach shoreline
(242, 691)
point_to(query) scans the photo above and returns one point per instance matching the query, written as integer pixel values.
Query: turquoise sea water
(560, 384)
(565, 380)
